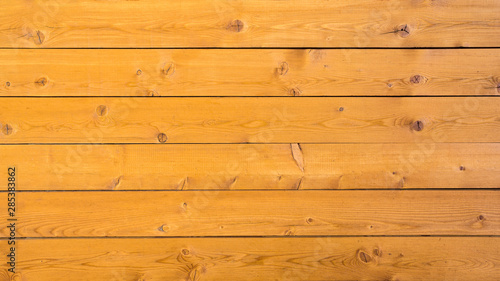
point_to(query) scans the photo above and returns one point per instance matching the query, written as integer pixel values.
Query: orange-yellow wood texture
(251, 23)
(256, 259)
(256, 213)
(249, 72)
(250, 120)
(254, 166)
(209, 140)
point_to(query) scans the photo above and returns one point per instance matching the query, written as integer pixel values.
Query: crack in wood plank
(297, 155)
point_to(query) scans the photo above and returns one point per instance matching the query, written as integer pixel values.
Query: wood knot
(7, 129)
(403, 30)
(162, 137)
(7, 84)
(41, 82)
(116, 182)
(310, 220)
(498, 88)
(39, 37)
(479, 222)
(185, 252)
(416, 79)
(195, 273)
(341, 109)
(163, 228)
(236, 26)
(168, 70)
(462, 168)
(295, 92)
(153, 93)
(364, 257)
(377, 252)
(283, 68)
(101, 110)
(402, 182)
(184, 205)
(417, 126)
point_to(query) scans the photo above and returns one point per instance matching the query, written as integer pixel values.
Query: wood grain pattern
(256, 213)
(248, 120)
(249, 72)
(252, 259)
(224, 23)
(203, 140)
(248, 166)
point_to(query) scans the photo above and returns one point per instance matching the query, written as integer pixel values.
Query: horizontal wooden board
(249, 166)
(255, 213)
(254, 72)
(249, 120)
(315, 259)
(251, 23)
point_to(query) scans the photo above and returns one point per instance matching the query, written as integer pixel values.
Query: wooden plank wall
(250, 140)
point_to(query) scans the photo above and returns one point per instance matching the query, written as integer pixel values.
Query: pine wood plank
(255, 213)
(254, 72)
(315, 259)
(248, 120)
(248, 166)
(219, 23)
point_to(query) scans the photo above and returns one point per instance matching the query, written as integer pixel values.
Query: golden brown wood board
(249, 72)
(255, 213)
(210, 140)
(254, 166)
(251, 23)
(256, 259)
(249, 120)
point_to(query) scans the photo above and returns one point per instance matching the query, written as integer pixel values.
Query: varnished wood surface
(202, 140)
(249, 120)
(254, 166)
(249, 72)
(254, 23)
(256, 213)
(315, 259)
